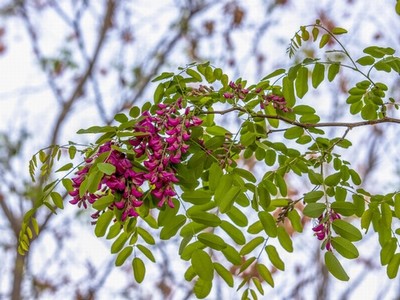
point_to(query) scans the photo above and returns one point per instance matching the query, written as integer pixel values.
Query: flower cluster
(237, 91)
(163, 141)
(278, 102)
(323, 229)
(159, 142)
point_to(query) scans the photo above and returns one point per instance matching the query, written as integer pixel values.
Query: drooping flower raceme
(159, 141)
(323, 229)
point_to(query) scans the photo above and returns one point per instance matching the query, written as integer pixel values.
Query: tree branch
(349, 125)
(111, 6)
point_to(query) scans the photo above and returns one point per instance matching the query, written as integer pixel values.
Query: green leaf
(265, 274)
(295, 220)
(340, 194)
(366, 219)
(102, 223)
(366, 60)
(134, 112)
(397, 205)
(119, 242)
(123, 255)
(303, 110)
(232, 255)
(159, 93)
(67, 183)
(146, 236)
(97, 129)
(288, 93)
(333, 179)
(274, 257)
(194, 74)
(236, 234)
(281, 184)
(224, 184)
(202, 288)
(217, 130)
(212, 240)
(121, 118)
(378, 52)
(293, 132)
(114, 230)
(338, 30)
(324, 40)
(106, 168)
(205, 218)
(284, 239)
(386, 215)
(189, 274)
(255, 228)
(268, 223)
(315, 32)
(397, 8)
(65, 167)
(388, 250)
(333, 71)
(355, 177)
(197, 197)
(103, 202)
(139, 269)
(248, 262)
(344, 247)
(172, 227)
(359, 204)
(245, 174)
(346, 230)
(251, 245)
(146, 252)
(237, 216)
(218, 73)
(224, 273)
(191, 228)
(274, 74)
(313, 196)
(202, 265)
(393, 266)
(317, 75)
(164, 75)
(314, 210)
(35, 226)
(344, 208)
(57, 199)
(301, 82)
(225, 204)
(334, 267)
(368, 112)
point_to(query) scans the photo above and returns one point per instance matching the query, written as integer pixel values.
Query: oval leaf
(334, 267)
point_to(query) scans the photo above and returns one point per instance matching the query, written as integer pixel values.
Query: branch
(349, 125)
(38, 53)
(106, 25)
(167, 44)
(14, 222)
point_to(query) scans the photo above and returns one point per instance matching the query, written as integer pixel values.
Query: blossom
(162, 139)
(323, 229)
(278, 102)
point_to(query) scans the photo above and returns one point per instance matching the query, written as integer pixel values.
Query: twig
(349, 125)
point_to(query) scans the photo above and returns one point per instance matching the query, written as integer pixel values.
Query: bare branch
(106, 24)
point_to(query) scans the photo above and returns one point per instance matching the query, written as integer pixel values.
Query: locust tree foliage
(169, 170)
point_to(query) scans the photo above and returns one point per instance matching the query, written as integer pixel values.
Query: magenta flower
(323, 229)
(161, 139)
